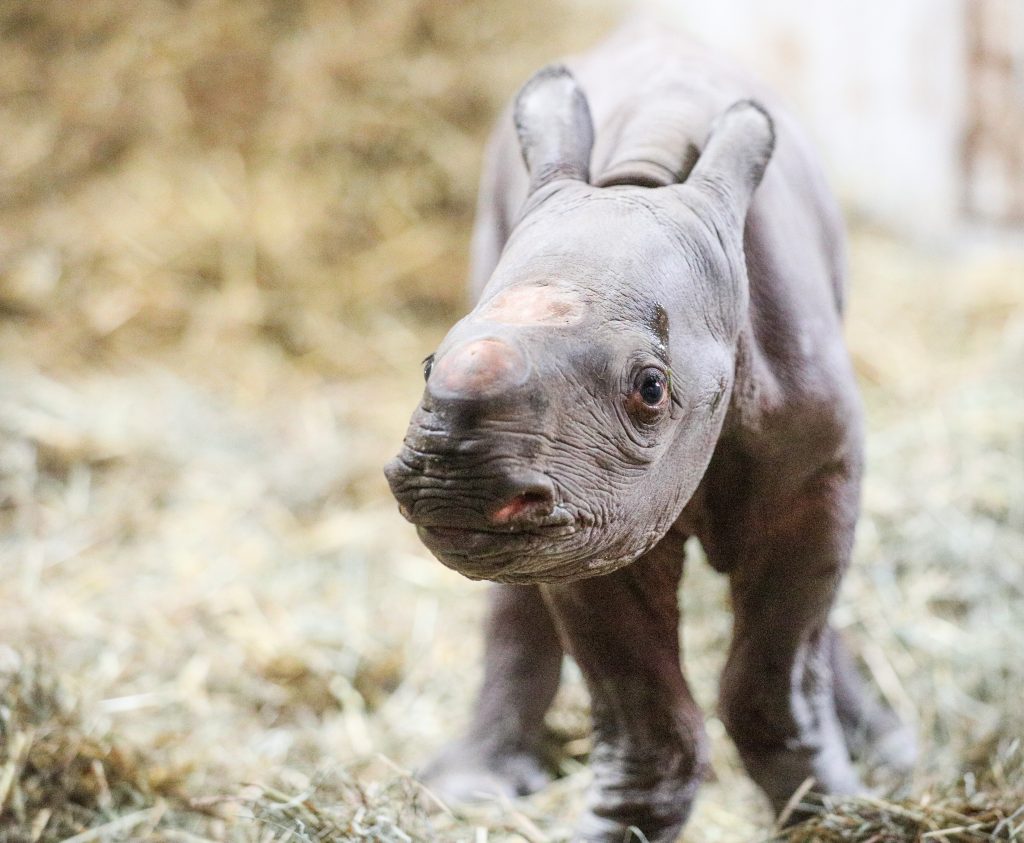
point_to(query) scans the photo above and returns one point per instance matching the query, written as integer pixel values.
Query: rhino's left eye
(649, 397)
(428, 364)
(651, 386)
(652, 390)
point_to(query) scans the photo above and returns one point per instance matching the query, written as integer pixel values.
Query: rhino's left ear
(734, 159)
(555, 131)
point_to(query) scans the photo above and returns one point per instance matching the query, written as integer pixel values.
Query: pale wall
(879, 83)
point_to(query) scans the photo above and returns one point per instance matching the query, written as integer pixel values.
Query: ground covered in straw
(228, 234)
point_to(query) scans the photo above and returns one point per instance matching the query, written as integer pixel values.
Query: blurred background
(230, 231)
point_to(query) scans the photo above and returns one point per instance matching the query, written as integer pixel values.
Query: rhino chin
(536, 568)
(558, 554)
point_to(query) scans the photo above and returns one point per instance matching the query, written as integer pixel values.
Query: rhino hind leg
(501, 753)
(873, 731)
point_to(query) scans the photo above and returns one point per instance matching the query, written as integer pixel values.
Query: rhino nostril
(532, 504)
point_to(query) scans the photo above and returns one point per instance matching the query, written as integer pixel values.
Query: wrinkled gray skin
(665, 232)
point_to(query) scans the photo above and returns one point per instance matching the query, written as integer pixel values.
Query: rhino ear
(734, 159)
(555, 131)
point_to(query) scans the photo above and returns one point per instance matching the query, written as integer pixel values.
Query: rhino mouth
(493, 553)
(490, 516)
(482, 542)
(559, 521)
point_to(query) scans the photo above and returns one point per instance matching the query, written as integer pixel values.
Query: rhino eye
(428, 364)
(652, 387)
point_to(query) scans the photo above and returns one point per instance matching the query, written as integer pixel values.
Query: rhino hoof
(464, 773)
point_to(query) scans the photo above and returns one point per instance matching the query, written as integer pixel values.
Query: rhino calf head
(569, 417)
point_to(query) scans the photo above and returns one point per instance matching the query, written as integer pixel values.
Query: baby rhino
(655, 353)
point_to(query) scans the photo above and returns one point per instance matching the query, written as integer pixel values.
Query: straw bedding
(228, 233)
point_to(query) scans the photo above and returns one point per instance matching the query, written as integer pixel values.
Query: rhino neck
(650, 145)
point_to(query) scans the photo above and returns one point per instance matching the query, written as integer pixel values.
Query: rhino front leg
(500, 755)
(650, 748)
(777, 694)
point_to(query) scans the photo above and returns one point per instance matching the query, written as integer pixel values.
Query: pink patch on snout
(519, 505)
(479, 369)
(533, 305)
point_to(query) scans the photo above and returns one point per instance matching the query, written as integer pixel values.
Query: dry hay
(988, 805)
(59, 779)
(228, 233)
